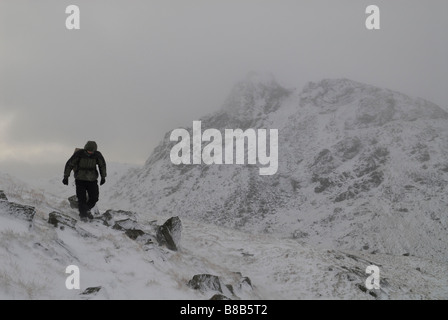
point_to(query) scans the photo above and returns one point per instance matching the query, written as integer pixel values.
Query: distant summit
(360, 168)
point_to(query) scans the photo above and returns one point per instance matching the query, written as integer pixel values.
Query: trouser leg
(81, 194)
(93, 192)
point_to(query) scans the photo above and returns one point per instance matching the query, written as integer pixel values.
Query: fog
(138, 69)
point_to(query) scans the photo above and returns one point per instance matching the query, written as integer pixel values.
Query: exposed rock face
(110, 217)
(59, 219)
(351, 158)
(214, 284)
(205, 282)
(20, 211)
(169, 233)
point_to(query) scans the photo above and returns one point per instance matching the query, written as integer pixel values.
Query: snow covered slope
(360, 168)
(361, 181)
(244, 266)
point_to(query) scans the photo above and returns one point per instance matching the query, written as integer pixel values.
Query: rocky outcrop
(3, 196)
(169, 233)
(221, 291)
(17, 210)
(205, 282)
(91, 290)
(58, 219)
(110, 216)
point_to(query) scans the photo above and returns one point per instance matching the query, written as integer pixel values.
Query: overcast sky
(137, 69)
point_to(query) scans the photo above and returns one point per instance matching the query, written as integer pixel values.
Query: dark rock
(361, 287)
(245, 282)
(230, 288)
(169, 233)
(298, 234)
(57, 218)
(3, 196)
(205, 282)
(20, 211)
(110, 217)
(134, 234)
(73, 200)
(219, 296)
(91, 290)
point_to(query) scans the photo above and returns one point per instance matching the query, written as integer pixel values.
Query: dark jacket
(84, 165)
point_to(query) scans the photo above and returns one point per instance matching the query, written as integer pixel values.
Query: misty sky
(137, 69)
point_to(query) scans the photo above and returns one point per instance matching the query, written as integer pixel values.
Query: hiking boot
(83, 218)
(89, 215)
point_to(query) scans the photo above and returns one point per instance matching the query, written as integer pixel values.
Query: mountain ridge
(357, 163)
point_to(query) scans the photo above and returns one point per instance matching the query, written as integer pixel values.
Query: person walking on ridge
(84, 164)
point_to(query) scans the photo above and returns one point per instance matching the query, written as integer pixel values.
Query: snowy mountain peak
(356, 163)
(254, 97)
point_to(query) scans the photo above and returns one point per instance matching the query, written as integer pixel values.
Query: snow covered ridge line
(212, 153)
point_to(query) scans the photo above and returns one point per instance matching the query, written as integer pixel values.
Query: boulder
(129, 225)
(110, 217)
(245, 282)
(205, 282)
(3, 196)
(169, 233)
(73, 202)
(134, 234)
(91, 290)
(59, 219)
(20, 211)
(222, 291)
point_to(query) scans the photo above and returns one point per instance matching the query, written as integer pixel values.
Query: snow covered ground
(34, 262)
(362, 181)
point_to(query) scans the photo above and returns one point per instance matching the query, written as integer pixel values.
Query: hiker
(83, 163)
